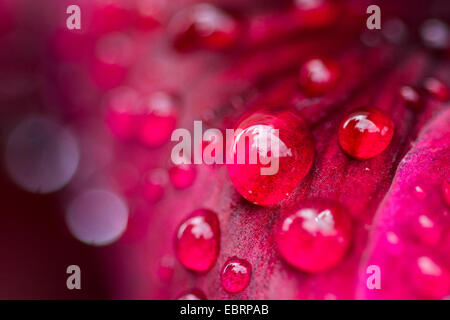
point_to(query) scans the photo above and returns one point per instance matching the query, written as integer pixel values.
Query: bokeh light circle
(41, 156)
(97, 217)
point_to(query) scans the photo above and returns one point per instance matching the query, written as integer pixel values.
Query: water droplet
(393, 244)
(236, 274)
(316, 237)
(153, 185)
(429, 278)
(198, 240)
(294, 156)
(419, 193)
(317, 76)
(182, 176)
(166, 268)
(410, 97)
(316, 13)
(365, 133)
(157, 119)
(203, 25)
(122, 111)
(193, 294)
(436, 88)
(427, 230)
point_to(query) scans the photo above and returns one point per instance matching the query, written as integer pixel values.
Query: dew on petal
(149, 14)
(97, 217)
(114, 54)
(110, 16)
(410, 97)
(197, 240)
(203, 25)
(157, 119)
(41, 156)
(194, 294)
(393, 244)
(316, 13)
(182, 176)
(429, 278)
(153, 185)
(236, 274)
(427, 230)
(365, 133)
(166, 268)
(436, 88)
(330, 296)
(419, 193)
(275, 171)
(122, 112)
(316, 237)
(317, 76)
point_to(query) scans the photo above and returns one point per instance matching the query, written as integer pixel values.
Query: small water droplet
(365, 133)
(182, 176)
(153, 185)
(318, 76)
(427, 230)
(236, 274)
(198, 240)
(429, 278)
(436, 88)
(419, 193)
(166, 268)
(193, 294)
(410, 97)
